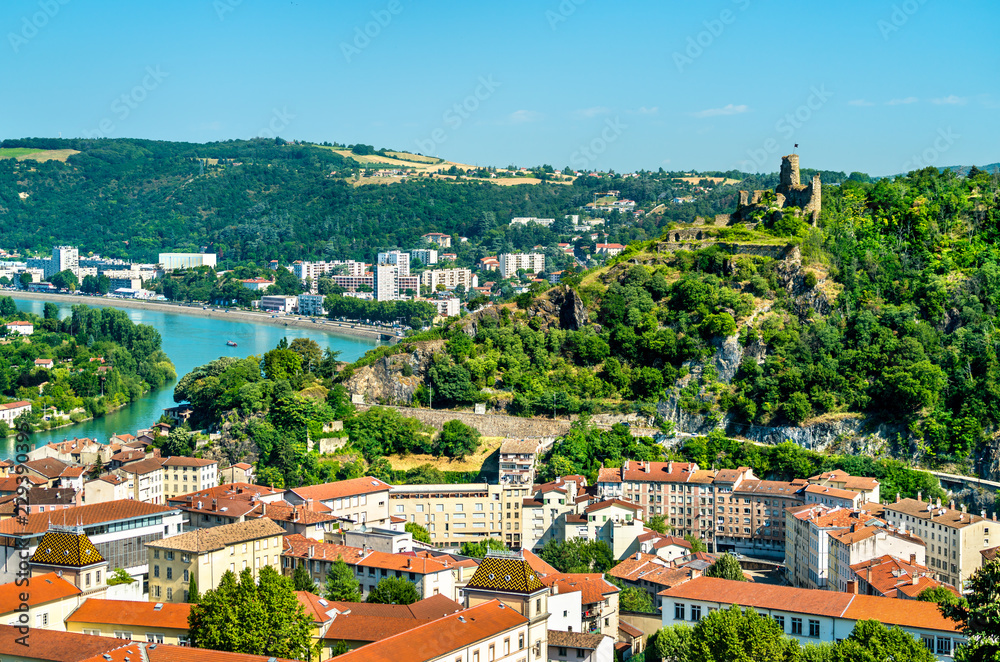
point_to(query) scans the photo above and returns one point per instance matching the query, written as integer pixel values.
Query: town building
(450, 307)
(448, 279)
(183, 475)
(19, 327)
(157, 623)
(580, 647)
(809, 615)
(109, 487)
(862, 542)
(274, 303)
(312, 304)
(257, 284)
(545, 513)
(652, 574)
(55, 472)
(50, 600)
(891, 577)
(386, 282)
(807, 542)
(489, 263)
(397, 259)
(241, 472)
(457, 513)
(174, 261)
(71, 555)
(206, 554)
(442, 240)
(40, 499)
(359, 500)
(511, 263)
(608, 249)
(118, 529)
(427, 256)
(518, 459)
(509, 578)
(614, 522)
(71, 451)
(954, 538)
(597, 600)
(525, 220)
(10, 411)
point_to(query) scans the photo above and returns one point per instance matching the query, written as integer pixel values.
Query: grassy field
(489, 446)
(28, 153)
(714, 180)
(418, 158)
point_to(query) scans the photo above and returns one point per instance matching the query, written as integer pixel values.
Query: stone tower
(789, 176)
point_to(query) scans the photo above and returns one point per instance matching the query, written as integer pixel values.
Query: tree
(940, 595)
(726, 567)
(193, 596)
(457, 439)
(65, 280)
(281, 364)
(119, 576)
(479, 549)
(25, 279)
(672, 644)
(301, 579)
(339, 648)
(309, 350)
(393, 591)
(578, 555)
(7, 307)
(341, 586)
(658, 523)
(734, 635)
(979, 615)
(261, 617)
(420, 534)
(50, 311)
(871, 641)
(697, 545)
(635, 599)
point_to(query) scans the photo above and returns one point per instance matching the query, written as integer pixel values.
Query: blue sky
(876, 86)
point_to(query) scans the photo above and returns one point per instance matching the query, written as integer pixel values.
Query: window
(122, 634)
(154, 638)
(491, 653)
(520, 642)
(926, 639)
(170, 572)
(538, 606)
(695, 612)
(579, 652)
(943, 646)
(187, 575)
(562, 651)
(506, 646)
(475, 656)
(813, 628)
(42, 620)
(678, 611)
(156, 571)
(780, 620)
(797, 626)
(170, 593)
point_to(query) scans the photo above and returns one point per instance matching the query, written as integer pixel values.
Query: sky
(875, 86)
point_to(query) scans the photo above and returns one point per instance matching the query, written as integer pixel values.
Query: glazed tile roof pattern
(952, 518)
(891, 611)
(340, 489)
(69, 550)
(507, 574)
(583, 640)
(172, 615)
(435, 639)
(42, 589)
(95, 513)
(591, 586)
(218, 537)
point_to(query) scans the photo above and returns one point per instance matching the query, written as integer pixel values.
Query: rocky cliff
(394, 379)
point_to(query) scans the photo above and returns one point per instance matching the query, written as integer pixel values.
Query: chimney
(938, 503)
(920, 497)
(852, 587)
(409, 563)
(309, 504)
(913, 559)
(952, 504)
(916, 579)
(625, 465)
(215, 505)
(670, 467)
(897, 497)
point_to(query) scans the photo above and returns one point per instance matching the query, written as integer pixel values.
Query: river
(189, 341)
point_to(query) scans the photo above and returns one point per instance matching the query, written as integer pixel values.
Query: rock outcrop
(394, 379)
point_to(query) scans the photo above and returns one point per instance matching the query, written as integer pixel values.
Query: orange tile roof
(299, 546)
(282, 512)
(41, 589)
(629, 629)
(142, 467)
(950, 517)
(831, 491)
(340, 489)
(49, 467)
(652, 569)
(607, 503)
(242, 491)
(591, 586)
(442, 636)
(94, 513)
(354, 621)
(58, 646)
(537, 564)
(910, 613)
(172, 615)
(131, 651)
(888, 574)
(180, 461)
(659, 472)
(10, 483)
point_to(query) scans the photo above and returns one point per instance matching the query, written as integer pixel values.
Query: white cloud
(588, 113)
(728, 109)
(648, 111)
(860, 102)
(950, 100)
(899, 102)
(524, 116)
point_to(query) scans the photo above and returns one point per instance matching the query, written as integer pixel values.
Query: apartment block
(454, 514)
(398, 259)
(954, 538)
(518, 458)
(386, 282)
(439, 238)
(312, 304)
(206, 554)
(158, 623)
(511, 263)
(546, 511)
(427, 256)
(448, 279)
(360, 500)
(145, 480)
(182, 475)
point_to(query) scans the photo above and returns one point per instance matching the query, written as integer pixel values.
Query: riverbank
(314, 323)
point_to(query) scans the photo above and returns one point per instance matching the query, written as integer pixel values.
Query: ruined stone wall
(489, 425)
(776, 251)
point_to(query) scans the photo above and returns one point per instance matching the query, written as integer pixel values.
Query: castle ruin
(789, 193)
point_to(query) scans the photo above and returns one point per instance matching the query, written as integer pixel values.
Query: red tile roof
(241, 491)
(537, 564)
(910, 613)
(172, 615)
(49, 467)
(179, 461)
(57, 646)
(94, 513)
(601, 505)
(299, 546)
(340, 489)
(658, 472)
(40, 589)
(888, 575)
(354, 621)
(591, 586)
(438, 638)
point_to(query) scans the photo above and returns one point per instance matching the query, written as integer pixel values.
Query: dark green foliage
(260, 617)
(940, 595)
(585, 449)
(193, 596)
(341, 585)
(456, 440)
(658, 523)
(736, 635)
(697, 544)
(393, 591)
(871, 641)
(979, 615)
(383, 431)
(578, 555)
(301, 579)
(726, 567)
(635, 599)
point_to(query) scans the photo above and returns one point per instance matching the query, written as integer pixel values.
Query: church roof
(505, 572)
(63, 548)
